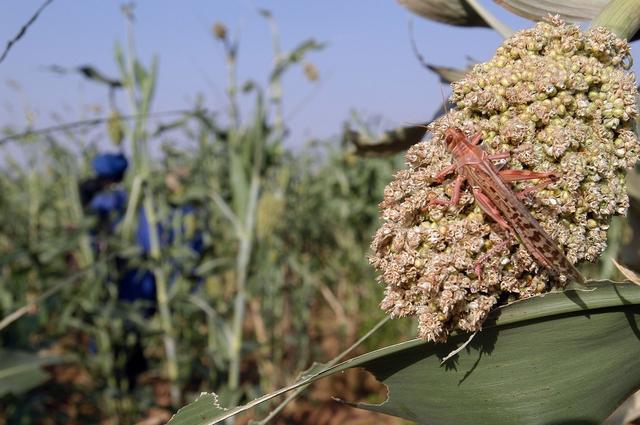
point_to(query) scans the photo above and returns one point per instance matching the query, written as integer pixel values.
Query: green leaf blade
(565, 366)
(21, 371)
(204, 410)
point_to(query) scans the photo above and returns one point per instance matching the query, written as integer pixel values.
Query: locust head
(453, 137)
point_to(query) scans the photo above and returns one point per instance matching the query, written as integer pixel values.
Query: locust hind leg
(493, 212)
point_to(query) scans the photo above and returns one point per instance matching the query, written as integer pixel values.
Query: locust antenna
(444, 101)
(445, 107)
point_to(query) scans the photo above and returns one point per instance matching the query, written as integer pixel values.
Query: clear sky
(367, 65)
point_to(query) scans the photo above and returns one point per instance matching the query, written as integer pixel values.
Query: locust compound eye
(448, 140)
(452, 136)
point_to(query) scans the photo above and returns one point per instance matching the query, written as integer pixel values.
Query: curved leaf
(206, 410)
(560, 365)
(89, 72)
(389, 143)
(566, 358)
(295, 56)
(627, 412)
(453, 12)
(569, 10)
(628, 273)
(202, 411)
(447, 74)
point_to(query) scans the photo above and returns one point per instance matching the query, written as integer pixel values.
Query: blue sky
(367, 65)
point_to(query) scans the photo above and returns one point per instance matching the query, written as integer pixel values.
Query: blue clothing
(109, 201)
(110, 165)
(111, 204)
(134, 283)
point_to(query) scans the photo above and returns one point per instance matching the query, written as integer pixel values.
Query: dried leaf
(391, 142)
(628, 273)
(627, 412)
(448, 75)
(89, 72)
(452, 12)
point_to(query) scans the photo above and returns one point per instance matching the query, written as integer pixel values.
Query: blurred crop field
(146, 258)
(150, 255)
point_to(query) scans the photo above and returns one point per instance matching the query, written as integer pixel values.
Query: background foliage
(281, 272)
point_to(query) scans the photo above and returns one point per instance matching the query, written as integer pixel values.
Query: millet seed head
(558, 99)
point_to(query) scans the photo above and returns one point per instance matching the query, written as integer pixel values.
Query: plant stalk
(620, 16)
(242, 270)
(77, 214)
(231, 49)
(275, 86)
(168, 336)
(140, 104)
(246, 239)
(132, 207)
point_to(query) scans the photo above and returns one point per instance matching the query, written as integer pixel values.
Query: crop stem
(620, 16)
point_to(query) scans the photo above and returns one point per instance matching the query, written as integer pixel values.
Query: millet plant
(557, 99)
